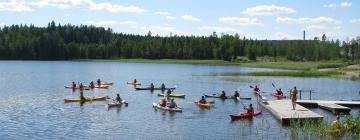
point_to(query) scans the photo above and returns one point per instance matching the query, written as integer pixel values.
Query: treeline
(62, 42)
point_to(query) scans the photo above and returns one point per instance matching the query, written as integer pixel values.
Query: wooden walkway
(335, 108)
(315, 103)
(282, 110)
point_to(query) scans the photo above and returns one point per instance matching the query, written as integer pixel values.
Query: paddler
(168, 92)
(82, 98)
(118, 98)
(98, 82)
(256, 89)
(250, 110)
(223, 94)
(163, 102)
(135, 81)
(162, 86)
(152, 86)
(81, 87)
(202, 100)
(279, 92)
(236, 94)
(92, 84)
(293, 97)
(172, 104)
(73, 84)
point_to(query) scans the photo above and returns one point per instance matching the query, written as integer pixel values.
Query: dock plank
(334, 108)
(282, 110)
(342, 103)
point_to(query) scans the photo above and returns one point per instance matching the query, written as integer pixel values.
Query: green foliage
(61, 42)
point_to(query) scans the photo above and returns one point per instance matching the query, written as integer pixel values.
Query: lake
(32, 105)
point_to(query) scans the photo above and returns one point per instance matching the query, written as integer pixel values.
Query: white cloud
(190, 18)
(341, 5)
(355, 20)
(14, 6)
(283, 36)
(240, 21)
(130, 23)
(160, 30)
(219, 29)
(90, 4)
(101, 22)
(326, 20)
(162, 13)
(268, 10)
(315, 27)
(170, 17)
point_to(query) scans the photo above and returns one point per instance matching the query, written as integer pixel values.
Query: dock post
(310, 94)
(300, 94)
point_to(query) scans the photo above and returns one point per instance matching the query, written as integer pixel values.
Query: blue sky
(270, 19)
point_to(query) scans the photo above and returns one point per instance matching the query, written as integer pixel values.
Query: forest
(68, 42)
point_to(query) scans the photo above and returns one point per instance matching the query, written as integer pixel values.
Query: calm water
(32, 93)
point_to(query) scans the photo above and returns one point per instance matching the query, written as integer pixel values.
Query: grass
(295, 65)
(312, 73)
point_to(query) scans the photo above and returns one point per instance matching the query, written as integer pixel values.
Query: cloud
(220, 29)
(90, 4)
(190, 18)
(162, 13)
(341, 5)
(14, 6)
(355, 20)
(170, 17)
(283, 36)
(326, 20)
(240, 21)
(160, 30)
(315, 27)
(101, 22)
(268, 10)
(130, 23)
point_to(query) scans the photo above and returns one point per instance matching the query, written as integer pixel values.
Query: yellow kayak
(132, 83)
(87, 99)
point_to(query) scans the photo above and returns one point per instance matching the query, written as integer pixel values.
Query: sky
(268, 19)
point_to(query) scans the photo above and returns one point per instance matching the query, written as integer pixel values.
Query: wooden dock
(282, 110)
(335, 108)
(315, 103)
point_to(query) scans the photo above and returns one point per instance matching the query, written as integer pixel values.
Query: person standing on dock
(293, 97)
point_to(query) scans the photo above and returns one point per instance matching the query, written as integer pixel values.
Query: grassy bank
(289, 73)
(295, 65)
(175, 61)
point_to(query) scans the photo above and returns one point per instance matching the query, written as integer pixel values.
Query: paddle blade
(251, 87)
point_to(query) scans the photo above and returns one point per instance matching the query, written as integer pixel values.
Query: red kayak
(243, 115)
(278, 96)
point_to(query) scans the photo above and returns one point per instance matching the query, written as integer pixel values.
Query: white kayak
(157, 106)
(118, 104)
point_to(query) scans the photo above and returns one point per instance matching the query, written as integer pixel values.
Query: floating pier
(315, 103)
(335, 108)
(282, 110)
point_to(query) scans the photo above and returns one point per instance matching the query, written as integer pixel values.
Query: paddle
(274, 86)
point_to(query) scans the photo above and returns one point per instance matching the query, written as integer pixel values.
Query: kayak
(207, 105)
(102, 98)
(157, 106)
(173, 95)
(132, 83)
(71, 87)
(107, 83)
(278, 96)
(227, 97)
(147, 88)
(243, 115)
(117, 104)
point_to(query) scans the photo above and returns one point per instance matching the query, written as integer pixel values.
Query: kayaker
(168, 92)
(279, 92)
(293, 97)
(82, 98)
(73, 84)
(81, 86)
(223, 94)
(256, 89)
(99, 81)
(162, 86)
(152, 86)
(250, 110)
(236, 94)
(135, 81)
(92, 84)
(336, 123)
(163, 102)
(202, 100)
(172, 104)
(118, 98)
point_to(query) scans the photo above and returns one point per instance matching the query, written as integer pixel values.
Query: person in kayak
(82, 98)
(223, 94)
(152, 86)
(162, 86)
(293, 97)
(118, 98)
(168, 92)
(98, 82)
(236, 94)
(250, 110)
(81, 87)
(73, 84)
(135, 81)
(256, 89)
(279, 92)
(172, 104)
(202, 100)
(163, 102)
(92, 84)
